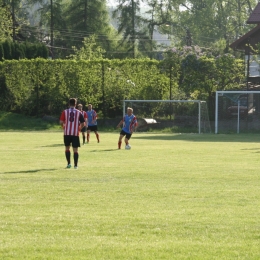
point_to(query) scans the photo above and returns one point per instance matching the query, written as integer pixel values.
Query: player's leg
(97, 136)
(75, 145)
(67, 141)
(84, 137)
(67, 155)
(83, 130)
(122, 134)
(120, 141)
(127, 138)
(88, 134)
(75, 157)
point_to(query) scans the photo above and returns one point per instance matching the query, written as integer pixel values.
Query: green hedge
(42, 86)
(13, 50)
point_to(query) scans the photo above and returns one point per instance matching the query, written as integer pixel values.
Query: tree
(18, 13)
(7, 50)
(89, 51)
(208, 21)
(131, 25)
(87, 17)
(51, 23)
(5, 22)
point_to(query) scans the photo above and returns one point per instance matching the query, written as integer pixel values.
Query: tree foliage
(210, 24)
(5, 22)
(90, 50)
(209, 20)
(13, 50)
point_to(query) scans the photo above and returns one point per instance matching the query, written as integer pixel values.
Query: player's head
(130, 111)
(72, 102)
(80, 106)
(89, 106)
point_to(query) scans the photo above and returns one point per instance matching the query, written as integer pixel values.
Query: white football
(128, 147)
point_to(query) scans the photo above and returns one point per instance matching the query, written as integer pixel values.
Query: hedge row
(14, 50)
(40, 86)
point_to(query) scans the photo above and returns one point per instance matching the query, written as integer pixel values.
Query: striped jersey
(129, 123)
(84, 113)
(72, 118)
(92, 117)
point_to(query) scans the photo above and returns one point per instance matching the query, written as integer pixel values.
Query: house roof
(252, 38)
(254, 18)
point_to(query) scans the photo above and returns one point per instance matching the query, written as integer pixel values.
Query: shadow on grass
(52, 145)
(28, 171)
(106, 150)
(200, 137)
(252, 149)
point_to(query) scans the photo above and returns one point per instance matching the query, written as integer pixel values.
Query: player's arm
(86, 120)
(134, 125)
(62, 119)
(120, 123)
(82, 125)
(82, 121)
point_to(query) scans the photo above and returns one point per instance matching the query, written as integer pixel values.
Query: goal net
(237, 111)
(189, 116)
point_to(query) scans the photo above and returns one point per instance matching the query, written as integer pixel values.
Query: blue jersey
(129, 123)
(92, 117)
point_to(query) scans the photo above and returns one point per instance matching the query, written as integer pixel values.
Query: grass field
(172, 196)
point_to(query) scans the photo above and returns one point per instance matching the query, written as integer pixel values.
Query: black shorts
(71, 139)
(92, 128)
(127, 135)
(83, 129)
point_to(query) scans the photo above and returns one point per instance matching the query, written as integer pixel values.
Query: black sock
(76, 158)
(84, 138)
(67, 154)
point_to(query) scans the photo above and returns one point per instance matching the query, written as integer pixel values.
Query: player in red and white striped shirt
(84, 129)
(72, 121)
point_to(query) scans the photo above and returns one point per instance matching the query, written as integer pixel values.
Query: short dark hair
(73, 101)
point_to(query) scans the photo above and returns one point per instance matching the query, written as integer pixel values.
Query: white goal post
(236, 111)
(199, 103)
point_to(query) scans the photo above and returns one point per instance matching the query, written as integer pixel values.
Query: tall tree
(131, 25)
(85, 18)
(208, 21)
(89, 51)
(51, 23)
(16, 13)
(5, 22)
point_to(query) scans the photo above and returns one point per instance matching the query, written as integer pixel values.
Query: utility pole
(133, 27)
(52, 49)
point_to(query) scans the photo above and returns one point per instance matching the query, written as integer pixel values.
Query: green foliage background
(13, 50)
(40, 86)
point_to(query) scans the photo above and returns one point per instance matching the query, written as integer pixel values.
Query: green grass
(172, 196)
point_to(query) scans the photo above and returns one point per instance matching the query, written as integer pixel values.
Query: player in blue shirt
(92, 123)
(129, 122)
